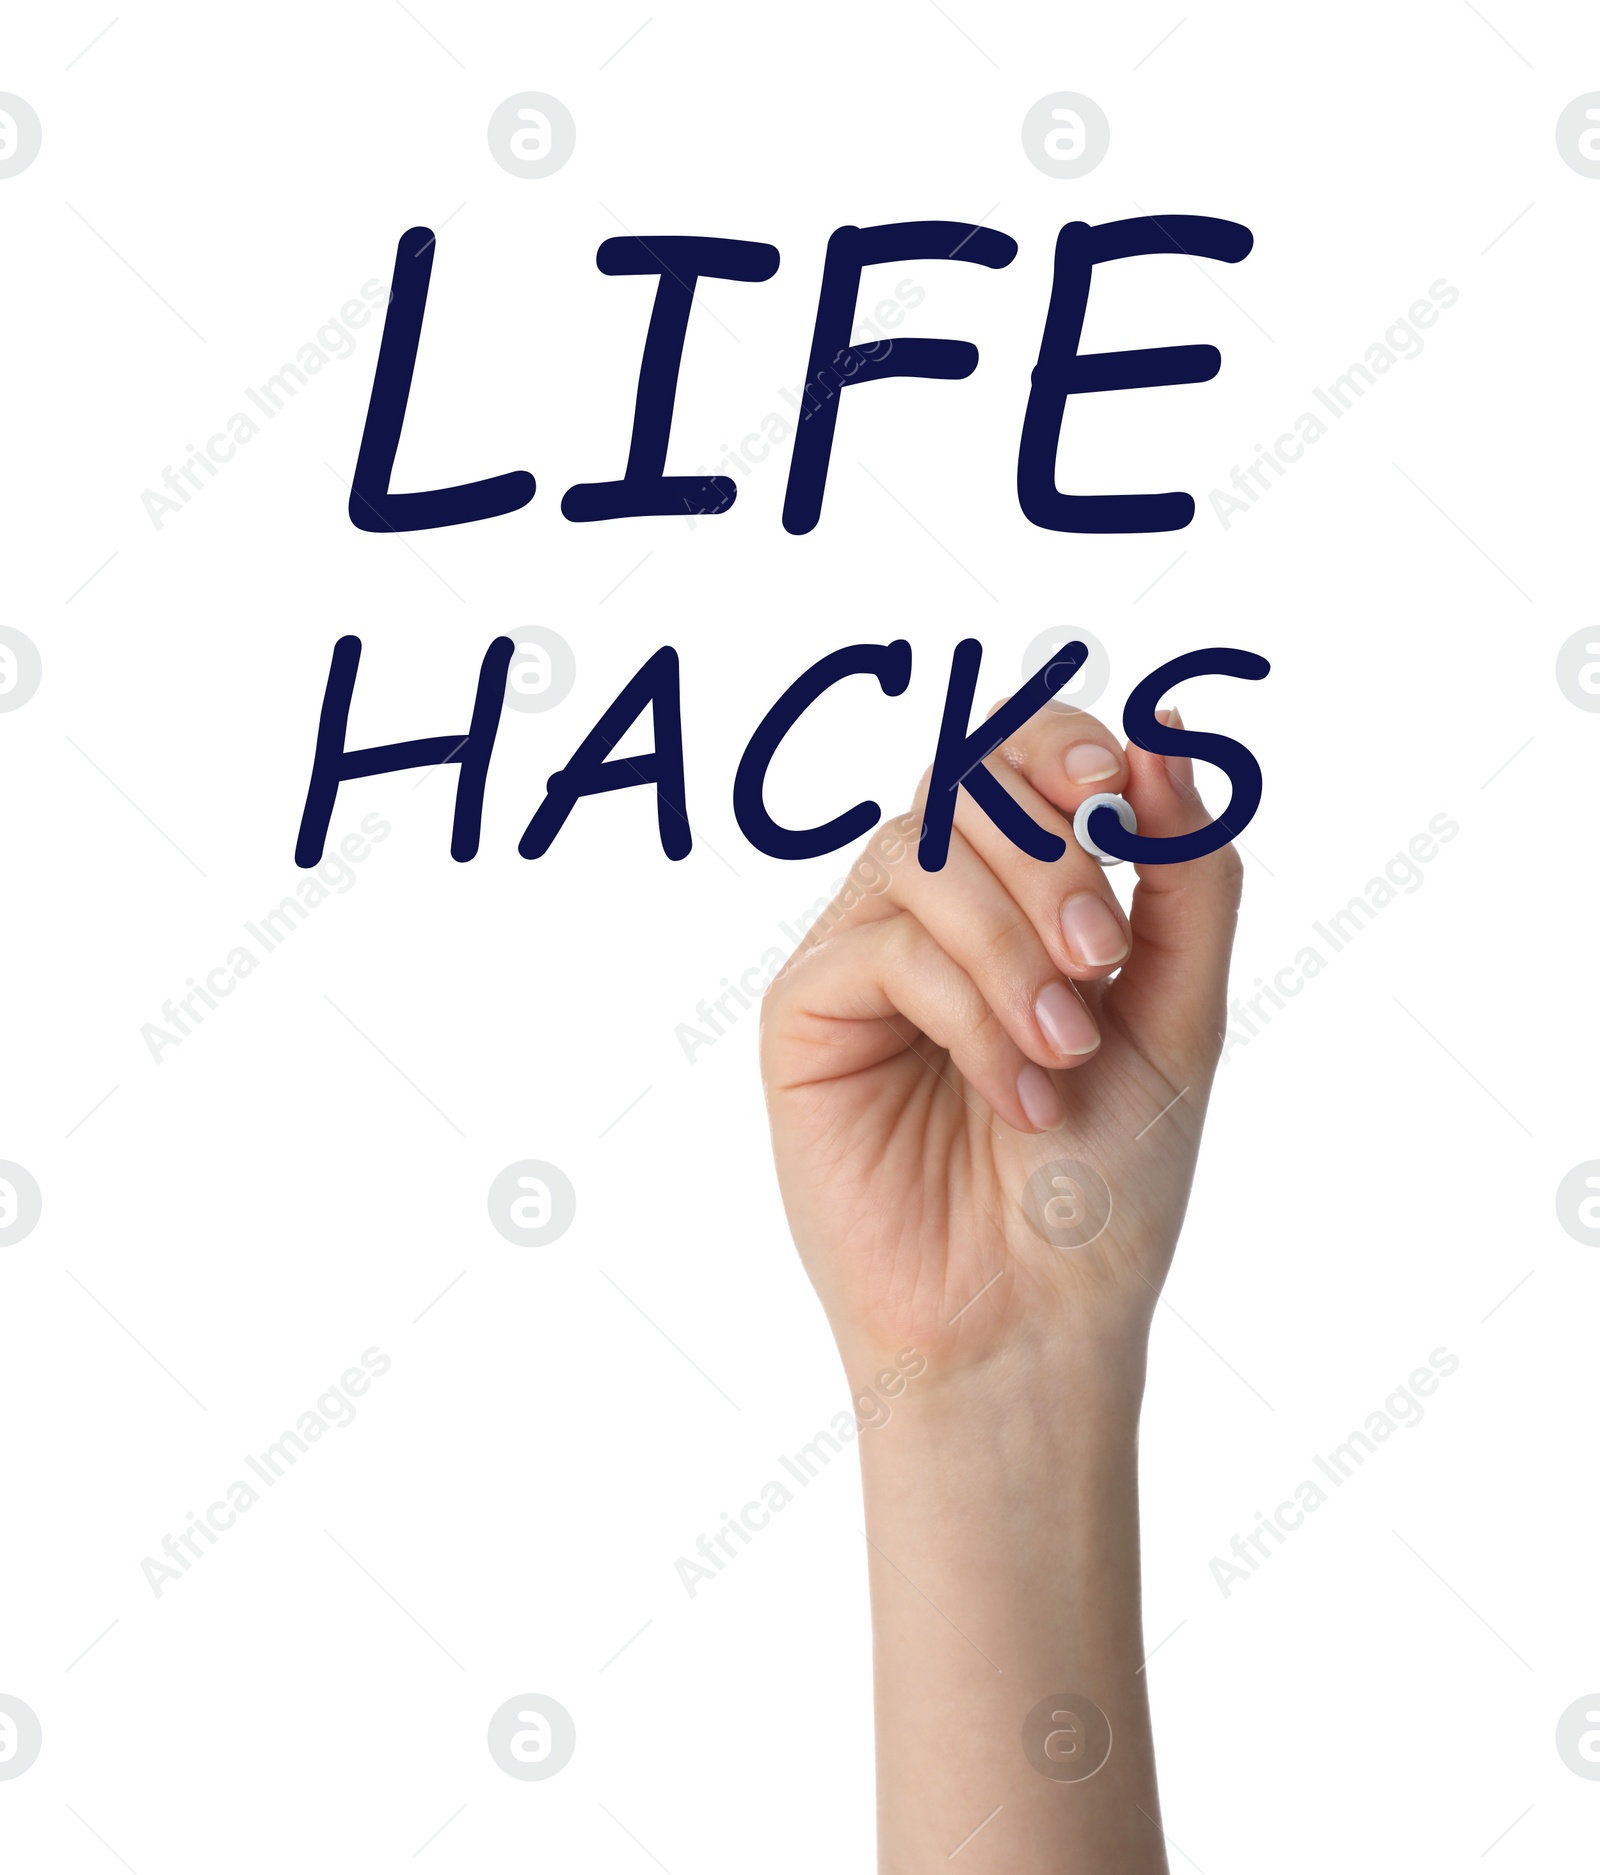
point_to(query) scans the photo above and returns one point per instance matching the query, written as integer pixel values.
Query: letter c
(891, 665)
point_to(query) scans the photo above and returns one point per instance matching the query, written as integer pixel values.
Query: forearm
(1002, 1523)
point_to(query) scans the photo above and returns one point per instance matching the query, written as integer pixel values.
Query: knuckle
(902, 940)
(1009, 950)
(1230, 870)
(891, 845)
(1080, 726)
(983, 1033)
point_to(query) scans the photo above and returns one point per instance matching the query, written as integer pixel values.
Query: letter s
(1233, 758)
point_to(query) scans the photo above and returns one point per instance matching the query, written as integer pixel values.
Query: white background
(277, 1195)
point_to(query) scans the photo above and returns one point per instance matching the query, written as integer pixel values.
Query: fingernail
(1093, 931)
(1039, 1098)
(1090, 761)
(1064, 1021)
(1169, 718)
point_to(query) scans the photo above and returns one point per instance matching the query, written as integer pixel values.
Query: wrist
(1002, 1549)
(1023, 1446)
(1041, 1389)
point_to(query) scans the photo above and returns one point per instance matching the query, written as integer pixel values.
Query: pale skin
(935, 1041)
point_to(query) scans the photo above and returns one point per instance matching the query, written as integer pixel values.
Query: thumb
(1173, 991)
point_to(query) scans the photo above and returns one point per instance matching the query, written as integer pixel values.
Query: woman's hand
(986, 1089)
(939, 1038)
